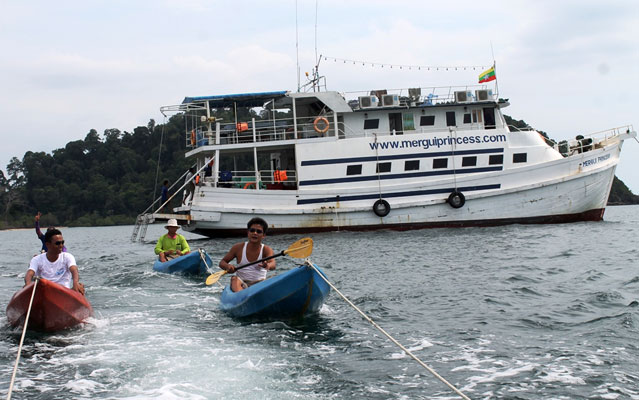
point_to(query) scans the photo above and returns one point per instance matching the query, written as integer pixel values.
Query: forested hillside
(108, 179)
(102, 180)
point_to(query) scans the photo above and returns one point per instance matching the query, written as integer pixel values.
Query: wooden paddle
(300, 249)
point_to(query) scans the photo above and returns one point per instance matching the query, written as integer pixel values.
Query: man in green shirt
(171, 245)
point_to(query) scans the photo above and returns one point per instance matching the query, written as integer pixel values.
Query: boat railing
(513, 128)
(590, 141)
(260, 130)
(610, 133)
(266, 179)
(421, 96)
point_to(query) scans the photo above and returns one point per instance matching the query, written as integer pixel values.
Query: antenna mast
(297, 50)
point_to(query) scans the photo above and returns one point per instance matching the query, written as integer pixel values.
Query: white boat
(384, 159)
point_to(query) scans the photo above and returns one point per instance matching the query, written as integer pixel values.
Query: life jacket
(279, 176)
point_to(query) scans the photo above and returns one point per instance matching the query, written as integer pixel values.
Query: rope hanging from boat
(452, 148)
(24, 331)
(157, 166)
(379, 178)
(392, 339)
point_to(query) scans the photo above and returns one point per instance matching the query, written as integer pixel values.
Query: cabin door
(489, 118)
(395, 123)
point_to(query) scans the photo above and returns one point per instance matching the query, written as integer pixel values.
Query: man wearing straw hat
(171, 245)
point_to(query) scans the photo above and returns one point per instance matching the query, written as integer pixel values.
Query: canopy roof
(239, 99)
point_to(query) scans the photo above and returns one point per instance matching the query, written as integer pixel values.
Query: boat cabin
(250, 139)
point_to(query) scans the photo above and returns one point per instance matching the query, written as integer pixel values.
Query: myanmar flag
(488, 75)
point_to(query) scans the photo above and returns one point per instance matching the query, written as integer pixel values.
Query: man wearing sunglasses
(55, 265)
(247, 252)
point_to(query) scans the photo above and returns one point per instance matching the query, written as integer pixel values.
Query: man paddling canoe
(246, 252)
(171, 245)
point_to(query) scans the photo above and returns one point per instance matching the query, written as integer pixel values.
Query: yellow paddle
(300, 249)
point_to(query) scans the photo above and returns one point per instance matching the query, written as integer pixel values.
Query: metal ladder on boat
(141, 224)
(143, 220)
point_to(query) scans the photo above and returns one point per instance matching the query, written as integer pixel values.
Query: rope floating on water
(392, 339)
(24, 331)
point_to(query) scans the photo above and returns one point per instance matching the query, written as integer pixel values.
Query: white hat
(171, 222)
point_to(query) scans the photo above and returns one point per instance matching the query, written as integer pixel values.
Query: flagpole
(496, 87)
(494, 69)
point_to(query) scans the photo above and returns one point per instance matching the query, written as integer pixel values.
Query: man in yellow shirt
(171, 245)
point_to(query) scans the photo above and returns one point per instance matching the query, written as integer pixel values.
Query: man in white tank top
(247, 252)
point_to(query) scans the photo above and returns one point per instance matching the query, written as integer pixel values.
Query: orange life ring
(193, 137)
(249, 184)
(317, 122)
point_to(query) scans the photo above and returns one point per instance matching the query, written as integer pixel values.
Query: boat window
(520, 157)
(477, 116)
(383, 167)
(395, 123)
(371, 123)
(470, 161)
(489, 118)
(467, 118)
(450, 118)
(409, 121)
(411, 165)
(354, 169)
(496, 159)
(427, 120)
(440, 163)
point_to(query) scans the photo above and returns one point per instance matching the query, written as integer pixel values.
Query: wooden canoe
(54, 307)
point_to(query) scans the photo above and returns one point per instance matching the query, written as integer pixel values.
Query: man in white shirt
(55, 265)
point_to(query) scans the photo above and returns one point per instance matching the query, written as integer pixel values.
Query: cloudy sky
(568, 67)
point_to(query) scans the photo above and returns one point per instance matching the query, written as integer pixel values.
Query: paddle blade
(300, 249)
(213, 278)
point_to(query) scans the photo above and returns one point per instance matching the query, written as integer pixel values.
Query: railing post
(294, 120)
(254, 130)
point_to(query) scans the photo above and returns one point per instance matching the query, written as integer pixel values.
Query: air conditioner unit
(463, 97)
(483, 95)
(368, 101)
(389, 100)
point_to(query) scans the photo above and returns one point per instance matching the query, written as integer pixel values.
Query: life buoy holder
(249, 184)
(456, 199)
(381, 208)
(193, 137)
(324, 125)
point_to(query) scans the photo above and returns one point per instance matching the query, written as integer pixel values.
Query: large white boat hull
(572, 189)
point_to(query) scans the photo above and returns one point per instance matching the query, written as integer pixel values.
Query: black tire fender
(456, 199)
(381, 208)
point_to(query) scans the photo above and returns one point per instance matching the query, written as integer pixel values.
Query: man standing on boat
(55, 265)
(171, 245)
(248, 252)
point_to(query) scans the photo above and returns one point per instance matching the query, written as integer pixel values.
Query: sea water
(518, 311)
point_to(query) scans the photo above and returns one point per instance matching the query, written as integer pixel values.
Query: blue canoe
(289, 295)
(190, 264)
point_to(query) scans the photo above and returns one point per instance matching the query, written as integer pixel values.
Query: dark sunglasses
(253, 230)
(59, 242)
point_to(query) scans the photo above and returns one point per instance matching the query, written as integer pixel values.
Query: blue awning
(240, 99)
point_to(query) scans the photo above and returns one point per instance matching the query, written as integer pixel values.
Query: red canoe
(54, 307)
